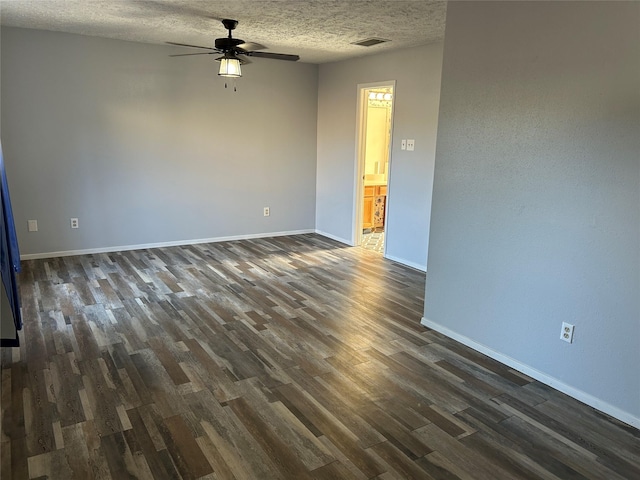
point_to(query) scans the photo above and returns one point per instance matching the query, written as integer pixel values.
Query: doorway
(375, 123)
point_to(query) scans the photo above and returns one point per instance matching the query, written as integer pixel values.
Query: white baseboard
(417, 266)
(576, 393)
(178, 243)
(334, 237)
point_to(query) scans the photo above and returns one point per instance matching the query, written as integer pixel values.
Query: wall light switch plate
(403, 144)
(33, 225)
(411, 144)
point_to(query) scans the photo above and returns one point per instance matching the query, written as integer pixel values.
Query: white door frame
(356, 237)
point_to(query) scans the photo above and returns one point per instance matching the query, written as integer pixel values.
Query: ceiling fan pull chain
(235, 89)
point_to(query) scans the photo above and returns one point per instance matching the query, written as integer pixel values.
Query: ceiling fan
(234, 51)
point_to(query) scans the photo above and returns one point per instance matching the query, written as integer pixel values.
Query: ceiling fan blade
(275, 56)
(187, 45)
(187, 54)
(250, 46)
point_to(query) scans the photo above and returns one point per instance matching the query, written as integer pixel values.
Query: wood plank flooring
(278, 358)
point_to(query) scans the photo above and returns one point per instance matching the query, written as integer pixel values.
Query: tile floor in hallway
(373, 241)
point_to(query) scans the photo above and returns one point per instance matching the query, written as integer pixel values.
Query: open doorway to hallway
(375, 123)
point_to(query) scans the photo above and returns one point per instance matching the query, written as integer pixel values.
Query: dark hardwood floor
(290, 357)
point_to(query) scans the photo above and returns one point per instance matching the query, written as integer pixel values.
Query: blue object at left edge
(9, 252)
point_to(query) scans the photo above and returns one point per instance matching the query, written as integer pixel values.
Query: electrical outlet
(403, 144)
(266, 212)
(74, 223)
(567, 332)
(33, 225)
(411, 145)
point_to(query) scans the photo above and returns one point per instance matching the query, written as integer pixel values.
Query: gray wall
(147, 149)
(417, 74)
(536, 196)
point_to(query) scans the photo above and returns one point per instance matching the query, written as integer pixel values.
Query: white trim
(333, 237)
(538, 375)
(358, 194)
(417, 266)
(178, 243)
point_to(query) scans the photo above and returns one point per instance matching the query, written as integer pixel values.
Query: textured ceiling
(318, 30)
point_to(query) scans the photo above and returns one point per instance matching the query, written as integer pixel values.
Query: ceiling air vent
(370, 42)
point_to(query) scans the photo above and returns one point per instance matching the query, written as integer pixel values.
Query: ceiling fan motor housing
(225, 44)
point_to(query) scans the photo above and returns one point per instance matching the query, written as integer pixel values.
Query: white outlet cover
(33, 225)
(567, 332)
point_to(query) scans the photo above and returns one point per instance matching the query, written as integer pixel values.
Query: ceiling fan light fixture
(229, 66)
